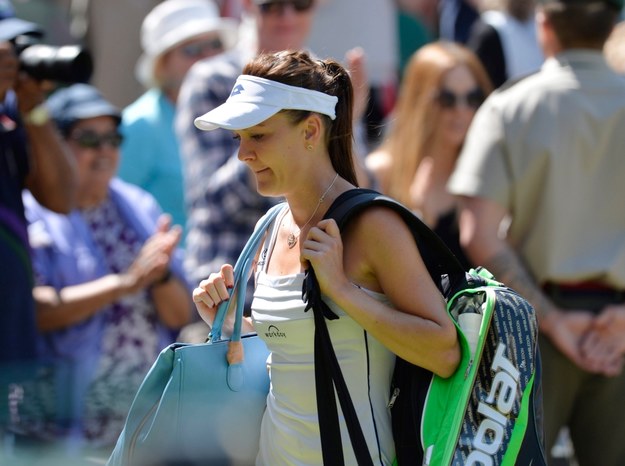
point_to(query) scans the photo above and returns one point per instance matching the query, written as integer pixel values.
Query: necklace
(291, 240)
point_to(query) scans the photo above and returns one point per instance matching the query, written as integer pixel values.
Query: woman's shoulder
(379, 227)
(379, 242)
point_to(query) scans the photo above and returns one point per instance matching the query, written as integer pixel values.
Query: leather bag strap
(242, 270)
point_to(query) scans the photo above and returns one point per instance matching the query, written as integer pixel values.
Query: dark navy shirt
(17, 313)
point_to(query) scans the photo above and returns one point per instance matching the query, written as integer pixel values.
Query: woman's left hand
(323, 249)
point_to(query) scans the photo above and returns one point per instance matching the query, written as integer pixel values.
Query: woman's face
(458, 99)
(95, 144)
(275, 151)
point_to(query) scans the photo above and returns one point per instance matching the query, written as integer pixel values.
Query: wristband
(38, 116)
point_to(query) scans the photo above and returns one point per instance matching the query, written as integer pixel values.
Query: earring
(309, 147)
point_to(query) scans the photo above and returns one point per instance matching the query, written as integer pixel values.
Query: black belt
(585, 295)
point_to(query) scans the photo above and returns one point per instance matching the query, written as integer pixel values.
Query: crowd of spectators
(113, 205)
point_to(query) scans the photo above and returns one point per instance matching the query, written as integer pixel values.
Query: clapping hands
(152, 262)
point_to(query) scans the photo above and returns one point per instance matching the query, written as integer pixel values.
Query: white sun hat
(255, 99)
(173, 22)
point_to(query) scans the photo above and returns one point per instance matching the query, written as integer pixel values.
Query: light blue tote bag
(193, 407)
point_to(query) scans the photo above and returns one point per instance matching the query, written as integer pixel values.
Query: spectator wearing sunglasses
(110, 291)
(174, 35)
(443, 86)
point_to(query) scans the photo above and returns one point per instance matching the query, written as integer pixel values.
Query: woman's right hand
(210, 293)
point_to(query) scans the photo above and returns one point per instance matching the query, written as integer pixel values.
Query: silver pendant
(291, 240)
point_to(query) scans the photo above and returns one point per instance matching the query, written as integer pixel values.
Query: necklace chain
(292, 238)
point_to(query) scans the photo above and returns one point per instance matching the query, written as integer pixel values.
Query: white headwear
(173, 22)
(255, 99)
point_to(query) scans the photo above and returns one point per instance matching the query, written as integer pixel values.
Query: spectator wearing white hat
(174, 35)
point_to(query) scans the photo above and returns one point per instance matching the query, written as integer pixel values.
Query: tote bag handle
(242, 270)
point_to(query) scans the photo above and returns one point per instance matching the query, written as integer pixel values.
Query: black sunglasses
(91, 140)
(472, 99)
(199, 49)
(278, 7)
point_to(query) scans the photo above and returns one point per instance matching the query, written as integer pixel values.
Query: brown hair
(583, 24)
(298, 68)
(415, 118)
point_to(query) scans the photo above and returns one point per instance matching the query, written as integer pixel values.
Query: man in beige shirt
(541, 179)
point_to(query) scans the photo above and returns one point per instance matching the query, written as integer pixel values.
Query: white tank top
(290, 428)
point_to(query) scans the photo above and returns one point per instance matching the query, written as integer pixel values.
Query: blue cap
(11, 27)
(79, 102)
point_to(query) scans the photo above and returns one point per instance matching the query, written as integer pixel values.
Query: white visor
(255, 99)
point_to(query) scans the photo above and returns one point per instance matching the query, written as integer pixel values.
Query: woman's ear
(313, 130)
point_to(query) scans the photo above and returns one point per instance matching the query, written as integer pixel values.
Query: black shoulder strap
(439, 261)
(437, 257)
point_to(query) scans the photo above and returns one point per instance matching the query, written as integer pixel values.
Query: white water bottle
(470, 323)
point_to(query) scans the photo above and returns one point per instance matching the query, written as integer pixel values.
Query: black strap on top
(444, 269)
(437, 257)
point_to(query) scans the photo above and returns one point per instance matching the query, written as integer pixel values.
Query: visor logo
(236, 90)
